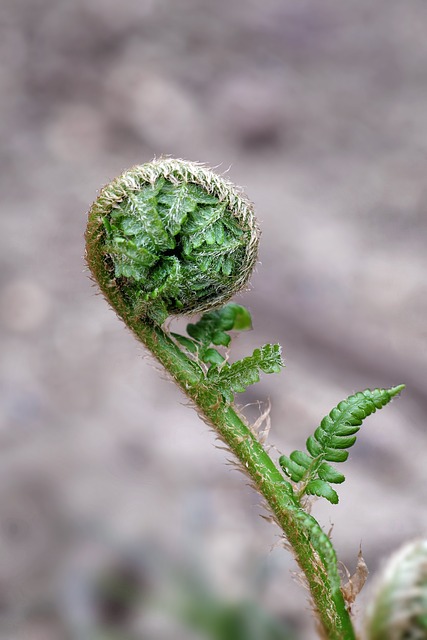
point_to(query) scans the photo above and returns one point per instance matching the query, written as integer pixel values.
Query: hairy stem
(302, 532)
(171, 237)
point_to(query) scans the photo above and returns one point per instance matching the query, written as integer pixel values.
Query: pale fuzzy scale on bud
(398, 610)
(171, 237)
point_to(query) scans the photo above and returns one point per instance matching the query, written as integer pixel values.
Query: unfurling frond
(171, 237)
(335, 434)
(213, 329)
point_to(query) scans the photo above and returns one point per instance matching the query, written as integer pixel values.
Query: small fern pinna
(172, 237)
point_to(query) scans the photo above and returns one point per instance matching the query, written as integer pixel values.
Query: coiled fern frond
(174, 236)
(333, 436)
(171, 237)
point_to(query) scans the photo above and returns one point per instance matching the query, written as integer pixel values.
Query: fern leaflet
(213, 329)
(329, 442)
(237, 377)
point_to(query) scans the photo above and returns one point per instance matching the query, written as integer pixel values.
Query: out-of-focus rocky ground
(319, 109)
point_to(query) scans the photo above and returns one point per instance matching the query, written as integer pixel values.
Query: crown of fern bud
(398, 610)
(171, 237)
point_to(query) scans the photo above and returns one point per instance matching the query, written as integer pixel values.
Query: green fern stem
(312, 548)
(111, 242)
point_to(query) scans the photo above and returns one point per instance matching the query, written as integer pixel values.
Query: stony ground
(319, 110)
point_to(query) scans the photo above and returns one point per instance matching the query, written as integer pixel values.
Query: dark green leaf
(242, 317)
(301, 458)
(212, 356)
(293, 470)
(314, 447)
(221, 338)
(186, 342)
(323, 490)
(342, 442)
(330, 474)
(212, 326)
(335, 455)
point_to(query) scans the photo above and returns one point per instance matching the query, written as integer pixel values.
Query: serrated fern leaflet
(237, 377)
(213, 329)
(335, 434)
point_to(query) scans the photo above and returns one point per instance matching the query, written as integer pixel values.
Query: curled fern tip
(171, 237)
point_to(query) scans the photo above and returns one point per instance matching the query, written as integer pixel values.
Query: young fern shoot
(172, 237)
(335, 434)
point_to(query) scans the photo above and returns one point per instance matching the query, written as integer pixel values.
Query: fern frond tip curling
(171, 237)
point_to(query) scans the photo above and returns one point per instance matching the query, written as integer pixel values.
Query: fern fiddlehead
(171, 237)
(179, 238)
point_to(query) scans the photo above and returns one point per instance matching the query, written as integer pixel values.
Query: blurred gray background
(318, 109)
